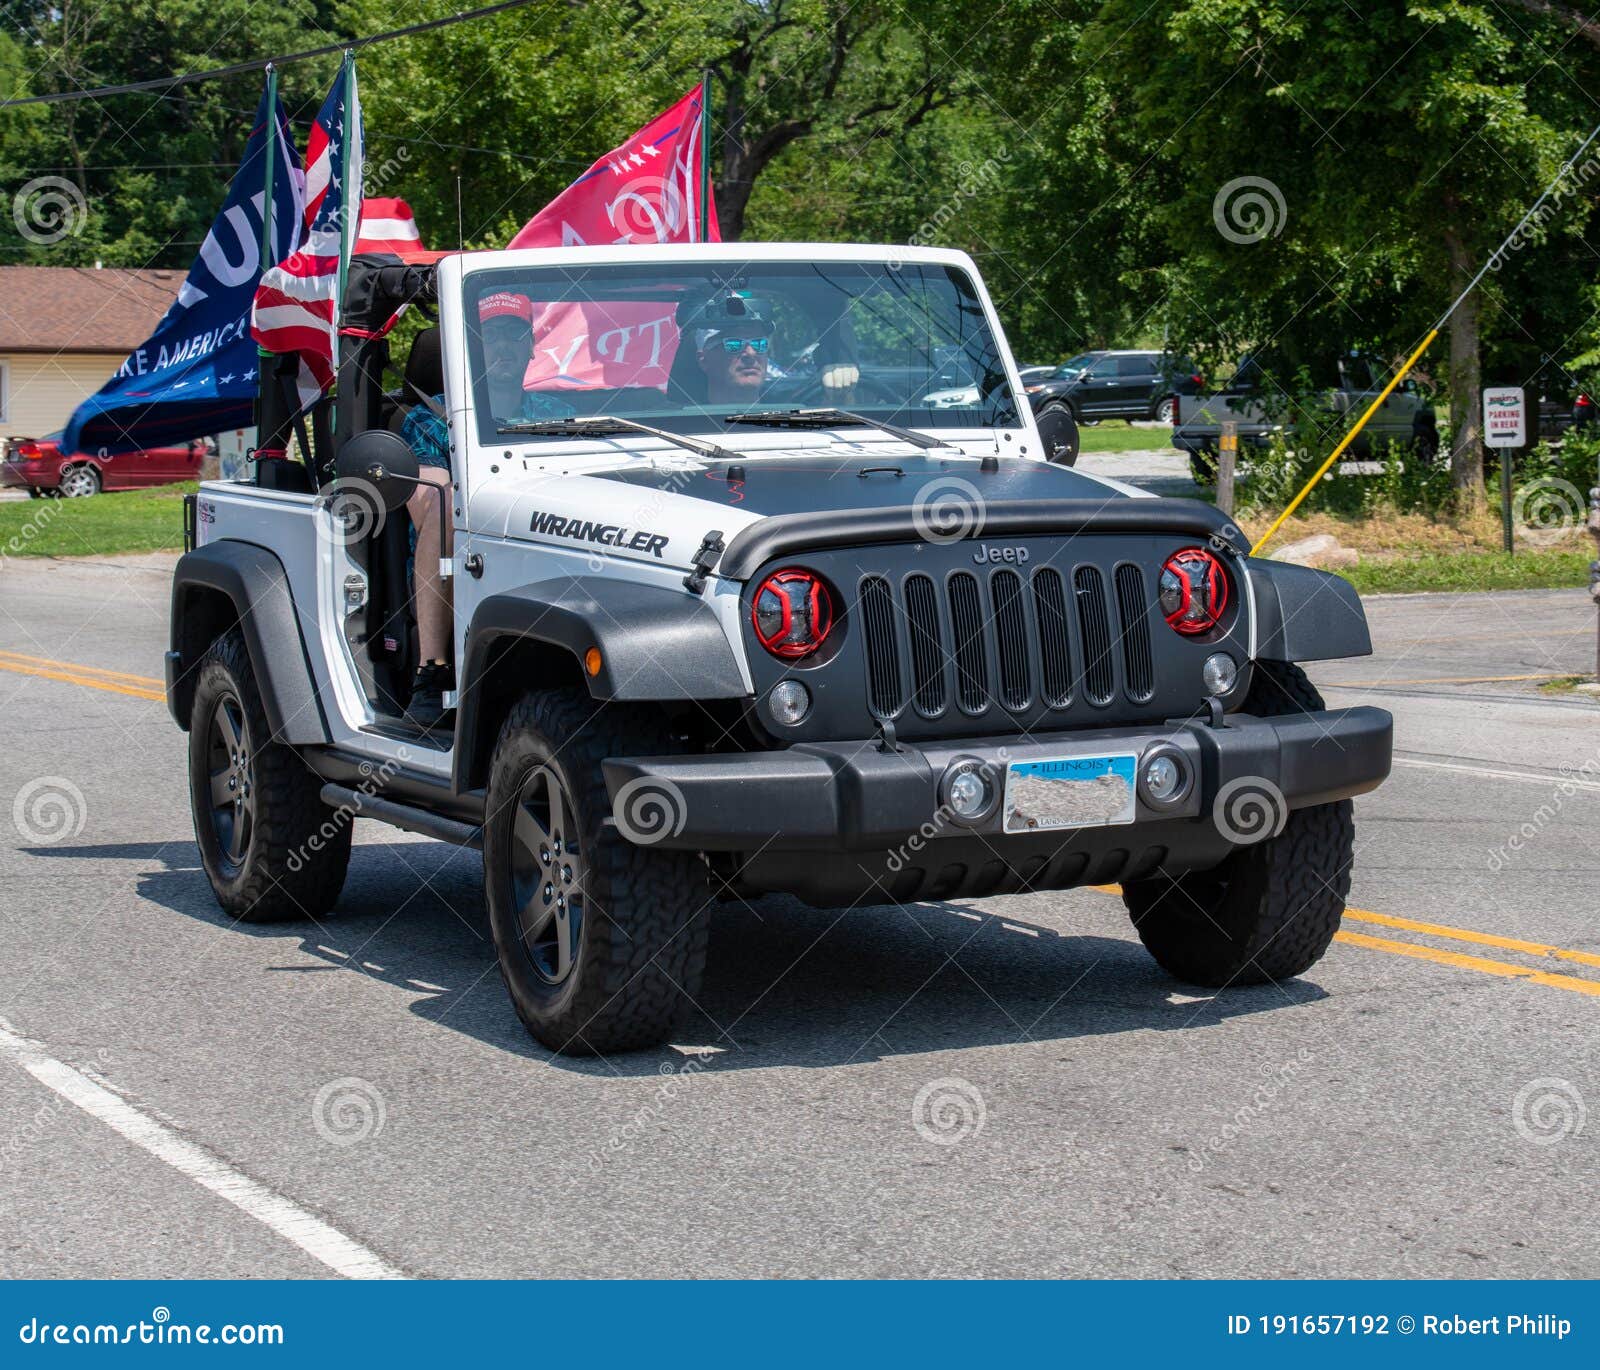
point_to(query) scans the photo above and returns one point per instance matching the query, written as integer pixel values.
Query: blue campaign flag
(196, 374)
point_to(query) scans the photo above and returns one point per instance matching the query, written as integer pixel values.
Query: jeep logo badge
(1014, 555)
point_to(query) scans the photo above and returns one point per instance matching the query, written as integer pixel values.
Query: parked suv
(38, 466)
(1257, 401)
(1115, 385)
(709, 644)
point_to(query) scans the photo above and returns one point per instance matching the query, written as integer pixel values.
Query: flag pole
(267, 263)
(352, 203)
(705, 152)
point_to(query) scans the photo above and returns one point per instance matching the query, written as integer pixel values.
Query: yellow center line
(1456, 958)
(1487, 939)
(93, 677)
(1464, 962)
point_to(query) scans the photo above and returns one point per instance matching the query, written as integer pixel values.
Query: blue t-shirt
(426, 434)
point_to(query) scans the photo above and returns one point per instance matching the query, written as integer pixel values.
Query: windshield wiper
(830, 418)
(599, 425)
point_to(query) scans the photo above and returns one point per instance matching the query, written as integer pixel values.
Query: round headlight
(789, 701)
(1220, 673)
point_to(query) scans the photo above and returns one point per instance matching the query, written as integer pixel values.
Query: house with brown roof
(64, 330)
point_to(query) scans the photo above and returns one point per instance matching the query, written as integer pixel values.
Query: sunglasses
(739, 344)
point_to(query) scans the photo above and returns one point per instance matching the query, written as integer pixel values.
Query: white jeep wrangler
(742, 605)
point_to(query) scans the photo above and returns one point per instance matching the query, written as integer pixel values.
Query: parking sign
(1505, 417)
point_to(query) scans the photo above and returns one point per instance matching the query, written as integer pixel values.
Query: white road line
(1546, 780)
(341, 1254)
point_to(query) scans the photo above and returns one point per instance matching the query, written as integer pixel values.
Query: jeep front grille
(1003, 639)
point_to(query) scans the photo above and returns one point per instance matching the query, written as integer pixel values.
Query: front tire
(601, 940)
(270, 847)
(1269, 911)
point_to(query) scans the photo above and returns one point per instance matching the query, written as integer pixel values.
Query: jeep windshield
(685, 347)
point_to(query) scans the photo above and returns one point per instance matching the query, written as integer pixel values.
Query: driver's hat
(505, 304)
(734, 312)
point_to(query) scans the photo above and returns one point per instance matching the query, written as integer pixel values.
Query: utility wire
(165, 83)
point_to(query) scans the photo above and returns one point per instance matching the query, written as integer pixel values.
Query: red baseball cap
(505, 304)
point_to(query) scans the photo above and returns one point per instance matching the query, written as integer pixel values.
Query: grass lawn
(1471, 571)
(129, 521)
(1115, 435)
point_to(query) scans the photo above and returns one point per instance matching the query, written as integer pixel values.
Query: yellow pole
(1345, 442)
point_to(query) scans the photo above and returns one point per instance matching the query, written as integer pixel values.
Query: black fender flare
(1303, 614)
(253, 581)
(656, 644)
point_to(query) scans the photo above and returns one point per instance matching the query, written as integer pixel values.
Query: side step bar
(403, 816)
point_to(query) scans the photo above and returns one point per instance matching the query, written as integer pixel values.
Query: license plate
(1069, 792)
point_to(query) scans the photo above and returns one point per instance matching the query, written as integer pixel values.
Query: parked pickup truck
(1257, 401)
(710, 643)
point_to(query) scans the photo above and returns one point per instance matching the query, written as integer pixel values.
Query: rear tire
(1269, 911)
(1426, 443)
(1203, 467)
(270, 847)
(1166, 411)
(601, 941)
(79, 482)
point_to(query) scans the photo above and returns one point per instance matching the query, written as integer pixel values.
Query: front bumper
(857, 796)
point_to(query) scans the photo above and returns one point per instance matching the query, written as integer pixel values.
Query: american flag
(388, 225)
(296, 304)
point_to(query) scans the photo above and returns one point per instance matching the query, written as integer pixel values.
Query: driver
(733, 357)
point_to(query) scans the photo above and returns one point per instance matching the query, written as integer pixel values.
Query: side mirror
(1086, 374)
(383, 462)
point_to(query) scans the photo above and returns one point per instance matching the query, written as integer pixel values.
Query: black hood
(774, 486)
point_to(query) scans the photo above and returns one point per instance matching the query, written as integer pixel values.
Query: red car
(38, 466)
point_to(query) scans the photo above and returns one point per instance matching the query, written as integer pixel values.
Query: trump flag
(648, 190)
(196, 374)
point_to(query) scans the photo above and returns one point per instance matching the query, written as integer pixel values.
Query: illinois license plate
(1069, 792)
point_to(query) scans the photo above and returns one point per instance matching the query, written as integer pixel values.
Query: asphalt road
(1005, 1087)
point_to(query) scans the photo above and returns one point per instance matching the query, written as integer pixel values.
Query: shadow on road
(786, 985)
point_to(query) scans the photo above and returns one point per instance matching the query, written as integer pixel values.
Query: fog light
(1220, 673)
(1162, 779)
(969, 790)
(789, 701)
(967, 794)
(1165, 777)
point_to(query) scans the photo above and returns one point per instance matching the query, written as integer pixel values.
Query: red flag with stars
(649, 190)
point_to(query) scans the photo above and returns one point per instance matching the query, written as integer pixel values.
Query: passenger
(507, 320)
